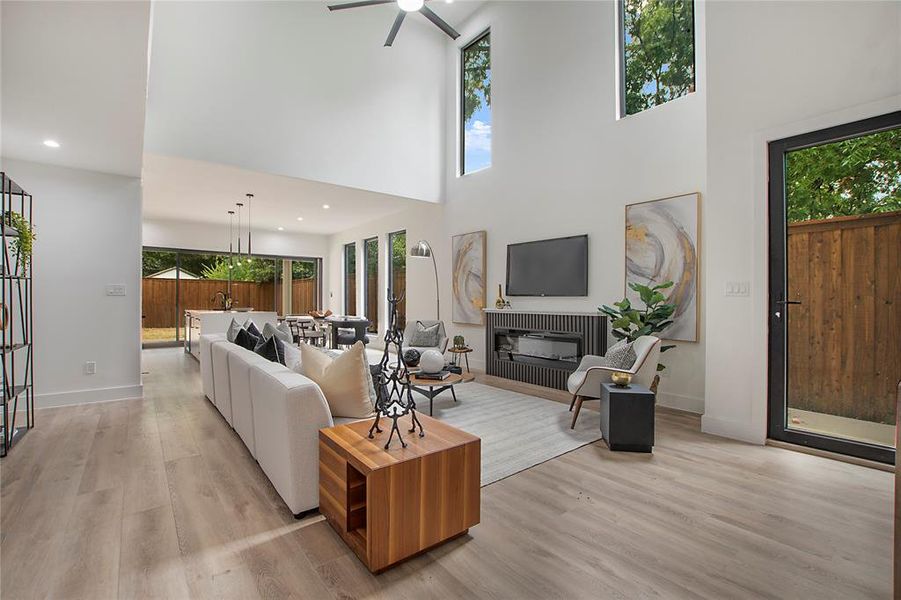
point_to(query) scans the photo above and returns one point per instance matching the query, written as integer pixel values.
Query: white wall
(562, 164)
(292, 89)
(421, 222)
(775, 69)
(88, 236)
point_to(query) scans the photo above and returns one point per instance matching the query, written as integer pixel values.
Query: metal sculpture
(394, 397)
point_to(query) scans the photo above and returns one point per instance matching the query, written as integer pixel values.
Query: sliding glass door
(835, 288)
(350, 278)
(397, 273)
(371, 282)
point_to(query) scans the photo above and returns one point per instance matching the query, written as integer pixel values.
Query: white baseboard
(681, 402)
(125, 392)
(736, 430)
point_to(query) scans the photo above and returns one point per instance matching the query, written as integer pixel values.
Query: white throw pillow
(281, 331)
(233, 330)
(345, 380)
(292, 357)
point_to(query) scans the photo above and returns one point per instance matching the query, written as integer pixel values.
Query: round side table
(464, 351)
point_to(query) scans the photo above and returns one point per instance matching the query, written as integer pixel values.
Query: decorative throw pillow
(233, 330)
(425, 337)
(252, 328)
(283, 334)
(292, 357)
(272, 349)
(620, 355)
(247, 340)
(345, 381)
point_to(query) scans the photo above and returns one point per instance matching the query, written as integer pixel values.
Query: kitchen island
(202, 322)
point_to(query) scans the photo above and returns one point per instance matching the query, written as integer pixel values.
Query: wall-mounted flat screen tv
(557, 267)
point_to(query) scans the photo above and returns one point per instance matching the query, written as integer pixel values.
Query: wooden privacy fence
(158, 297)
(844, 339)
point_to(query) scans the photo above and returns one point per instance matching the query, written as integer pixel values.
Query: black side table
(627, 417)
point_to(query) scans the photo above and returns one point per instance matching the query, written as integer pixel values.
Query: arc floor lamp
(422, 249)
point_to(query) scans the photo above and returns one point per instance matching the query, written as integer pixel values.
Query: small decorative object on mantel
(394, 399)
(621, 379)
(500, 302)
(459, 342)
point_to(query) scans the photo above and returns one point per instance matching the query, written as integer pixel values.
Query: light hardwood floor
(158, 498)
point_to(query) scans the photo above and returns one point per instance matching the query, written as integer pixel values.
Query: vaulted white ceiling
(289, 88)
(74, 72)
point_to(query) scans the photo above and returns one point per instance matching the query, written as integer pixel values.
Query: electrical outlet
(115, 289)
(90, 368)
(737, 288)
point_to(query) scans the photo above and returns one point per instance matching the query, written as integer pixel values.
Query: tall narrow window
(397, 273)
(350, 279)
(475, 118)
(658, 52)
(371, 289)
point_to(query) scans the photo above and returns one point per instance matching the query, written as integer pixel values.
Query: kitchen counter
(203, 321)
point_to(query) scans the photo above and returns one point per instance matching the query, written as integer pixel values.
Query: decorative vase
(431, 361)
(500, 303)
(621, 379)
(459, 342)
(411, 357)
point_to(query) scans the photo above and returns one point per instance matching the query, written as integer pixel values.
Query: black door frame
(778, 350)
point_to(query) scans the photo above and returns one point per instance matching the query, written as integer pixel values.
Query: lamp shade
(410, 5)
(421, 249)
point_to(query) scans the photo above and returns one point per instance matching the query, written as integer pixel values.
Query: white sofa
(277, 413)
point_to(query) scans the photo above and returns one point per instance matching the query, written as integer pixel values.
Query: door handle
(784, 302)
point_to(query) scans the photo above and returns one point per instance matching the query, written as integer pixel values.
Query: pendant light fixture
(249, 200)
(240, 205)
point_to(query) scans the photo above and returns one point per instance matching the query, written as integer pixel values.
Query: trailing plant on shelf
(23, 243)
(630, 322)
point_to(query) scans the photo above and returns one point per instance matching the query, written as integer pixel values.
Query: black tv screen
(557, 267)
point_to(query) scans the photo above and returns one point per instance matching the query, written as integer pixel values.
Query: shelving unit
(16, 306)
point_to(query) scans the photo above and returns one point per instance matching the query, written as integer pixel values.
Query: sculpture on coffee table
(394, 398)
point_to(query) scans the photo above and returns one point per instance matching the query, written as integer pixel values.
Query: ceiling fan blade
(359, 4)
(441, 23)
(396, 27)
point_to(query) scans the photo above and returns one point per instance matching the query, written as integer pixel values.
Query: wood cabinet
(389, 505)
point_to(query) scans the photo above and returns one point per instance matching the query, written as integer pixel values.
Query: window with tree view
(475, 120)
(658, 52)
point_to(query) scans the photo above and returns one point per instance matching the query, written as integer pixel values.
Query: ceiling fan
(405, 6)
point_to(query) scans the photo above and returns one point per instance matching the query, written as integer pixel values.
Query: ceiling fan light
(410, 5)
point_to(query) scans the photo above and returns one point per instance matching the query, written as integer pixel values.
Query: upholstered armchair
(411, 328)
(585, 382)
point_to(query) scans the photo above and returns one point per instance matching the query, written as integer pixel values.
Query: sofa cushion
(345, 380)
(292, 357)
(272, 349)
(425, 336)
(247, 340)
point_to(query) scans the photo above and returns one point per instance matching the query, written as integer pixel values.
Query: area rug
(517, 431)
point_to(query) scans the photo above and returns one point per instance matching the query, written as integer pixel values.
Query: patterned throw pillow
(424, 337)
(247, 340)
(620, 355)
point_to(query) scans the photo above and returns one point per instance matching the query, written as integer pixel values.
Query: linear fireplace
(541, 348)
(545, 348)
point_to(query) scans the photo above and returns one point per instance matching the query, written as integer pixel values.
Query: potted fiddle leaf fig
(630, 322)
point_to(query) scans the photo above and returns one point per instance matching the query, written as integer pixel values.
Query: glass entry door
(835, 287)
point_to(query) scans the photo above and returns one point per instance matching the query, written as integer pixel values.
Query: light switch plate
(115, 289)
(90, 368)
(738, 288)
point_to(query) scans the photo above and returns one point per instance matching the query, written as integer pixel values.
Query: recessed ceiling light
(281, 228)
(51, 143)
(300, 218)
(449, 1)
(326, 206)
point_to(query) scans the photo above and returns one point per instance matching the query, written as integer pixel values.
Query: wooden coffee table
(432, 387)
(389, 505)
